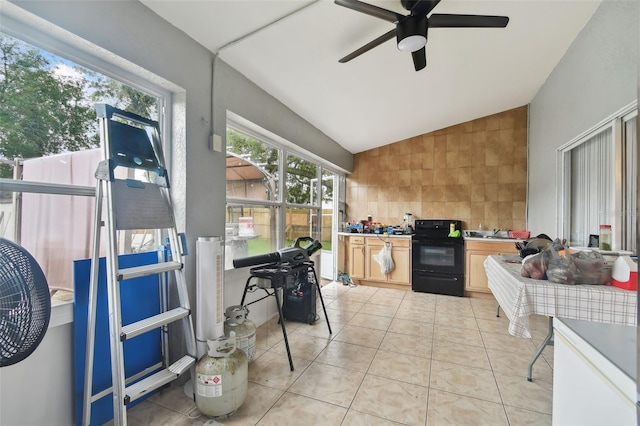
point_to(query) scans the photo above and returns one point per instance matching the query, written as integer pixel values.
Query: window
(598, 172)
(49, 151)
(264, 212)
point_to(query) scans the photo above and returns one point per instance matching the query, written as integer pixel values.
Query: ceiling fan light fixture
(412, 33)
(412, 43)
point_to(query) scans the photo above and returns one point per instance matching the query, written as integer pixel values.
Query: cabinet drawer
(395, 242)
(356, 240)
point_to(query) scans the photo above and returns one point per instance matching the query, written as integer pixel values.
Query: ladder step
(146, 270)
(158, 379)
(137, 328)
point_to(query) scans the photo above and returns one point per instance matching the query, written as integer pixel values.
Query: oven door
(445, 256)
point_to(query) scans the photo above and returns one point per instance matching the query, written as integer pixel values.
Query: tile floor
(395, 357)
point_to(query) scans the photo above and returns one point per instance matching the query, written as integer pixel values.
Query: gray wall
(151, 48)
(595, 78)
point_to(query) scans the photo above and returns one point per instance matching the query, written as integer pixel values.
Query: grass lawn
(263, 245)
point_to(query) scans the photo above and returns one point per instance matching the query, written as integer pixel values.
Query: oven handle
(427, 274)
(440, 242)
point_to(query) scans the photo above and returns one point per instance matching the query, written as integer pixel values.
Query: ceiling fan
(411, 30)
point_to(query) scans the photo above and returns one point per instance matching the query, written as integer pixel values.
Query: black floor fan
(25, 303)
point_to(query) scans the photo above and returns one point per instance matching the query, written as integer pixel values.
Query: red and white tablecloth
(520, 297)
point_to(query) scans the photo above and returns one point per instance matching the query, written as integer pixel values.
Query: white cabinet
(588, 388)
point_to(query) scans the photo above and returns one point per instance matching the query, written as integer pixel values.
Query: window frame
(615, 122)
(244, 126)
(53, 40)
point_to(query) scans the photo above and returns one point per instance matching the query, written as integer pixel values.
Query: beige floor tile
(453, 309)
(517, 391)
(355, 335)
(471, 356)
(272, 369)
(381, 310)
(355, 297)
(415, 314)
(370, 321)
(392, 293)
(494, 325)
(267, 335)
(336, 316)
(407, 344)
(173, 398)
(422, 304)
(346, 355)
(301, 346)
(450, 409)
(381, 299)
(148, 413)
(520, 417)
(518, 364)
(258, 401)
(356, 418)
(367, 289)
(397, 401)
(508, 343)
(456, 321)
(402, 367)
(464, 336)
(319, 329)
(416, 328)
(328, 383)
(488, 311)
(343, 304)
(298, 410)
(463, 380)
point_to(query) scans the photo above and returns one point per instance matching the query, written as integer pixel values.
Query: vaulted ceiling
(290, 48)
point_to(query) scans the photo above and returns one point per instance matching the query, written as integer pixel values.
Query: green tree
(298, 172)
(43, 112)
(40, 113)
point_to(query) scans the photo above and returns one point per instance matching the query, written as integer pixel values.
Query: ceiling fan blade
(419, 58)
(370, 9)
(442, 20)
(377, 42)
(422, 7)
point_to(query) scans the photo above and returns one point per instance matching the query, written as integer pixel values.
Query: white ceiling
(378, 98)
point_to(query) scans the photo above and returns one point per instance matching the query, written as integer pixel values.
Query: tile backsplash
(474, 171)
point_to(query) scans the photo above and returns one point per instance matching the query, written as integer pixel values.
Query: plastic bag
(561, 269)
(534, 266)
(384, 259)
(590, 266)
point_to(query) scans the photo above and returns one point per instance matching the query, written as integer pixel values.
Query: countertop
(357, 234)
(615, 342)
(493, 240)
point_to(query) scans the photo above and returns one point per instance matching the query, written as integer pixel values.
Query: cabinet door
(475, 255)
(476, 275)
(356, 260)
(401, 274)
(372, 268)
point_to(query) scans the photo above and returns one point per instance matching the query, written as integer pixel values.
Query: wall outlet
(216, 143)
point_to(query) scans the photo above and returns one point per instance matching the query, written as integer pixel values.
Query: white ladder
(133, 142)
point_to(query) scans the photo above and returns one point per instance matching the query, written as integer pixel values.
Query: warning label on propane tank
(209, 386)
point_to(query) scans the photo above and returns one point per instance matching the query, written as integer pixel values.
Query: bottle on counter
(605, 237)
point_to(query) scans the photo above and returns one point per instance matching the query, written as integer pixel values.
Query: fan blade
(377, 42)
(423, 7)
(443, 20)
(419, 58)
(370, 9)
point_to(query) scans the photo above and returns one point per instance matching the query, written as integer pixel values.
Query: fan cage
(25, 303)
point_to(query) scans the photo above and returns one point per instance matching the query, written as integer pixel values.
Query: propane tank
(222, 378)
(244, 328)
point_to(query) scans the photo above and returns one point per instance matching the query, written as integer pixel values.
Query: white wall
(596, 77)
(150, 48)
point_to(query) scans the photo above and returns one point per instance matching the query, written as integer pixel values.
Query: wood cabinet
(360, 263)
(476, 253)
(355, 257)
(401, 255)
